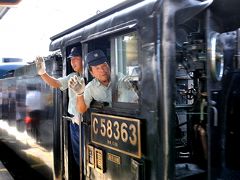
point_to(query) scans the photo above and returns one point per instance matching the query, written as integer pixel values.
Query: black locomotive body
(28, 115)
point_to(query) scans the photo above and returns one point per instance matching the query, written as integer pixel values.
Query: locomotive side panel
(28, 117)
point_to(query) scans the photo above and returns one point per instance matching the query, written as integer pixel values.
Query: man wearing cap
(62, 83)
(99, 88)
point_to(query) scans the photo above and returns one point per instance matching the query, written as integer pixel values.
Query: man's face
(77, 64)
(101, 72)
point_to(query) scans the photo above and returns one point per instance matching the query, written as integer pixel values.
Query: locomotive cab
(113, 131)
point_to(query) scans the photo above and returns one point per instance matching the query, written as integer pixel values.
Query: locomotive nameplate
(118, 133)
(90, 156)
(99, 160)
(114, 158)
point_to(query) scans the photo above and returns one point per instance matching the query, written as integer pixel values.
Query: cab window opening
(103, 44)
(68, 62)
(122, 55)
(127, 69)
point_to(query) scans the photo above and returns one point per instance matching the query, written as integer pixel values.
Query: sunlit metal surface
(216, 57)
(39, 153)
(4, 174)
(3, 11)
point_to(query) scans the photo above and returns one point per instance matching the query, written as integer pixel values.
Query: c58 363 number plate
(118, 133)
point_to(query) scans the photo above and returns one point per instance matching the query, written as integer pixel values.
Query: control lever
(67, 118)
(215, 113)
(98, 105)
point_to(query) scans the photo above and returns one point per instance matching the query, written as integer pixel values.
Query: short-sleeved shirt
(72, 96)
(95, 90)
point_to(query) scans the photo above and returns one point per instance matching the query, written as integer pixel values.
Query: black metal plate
(118, 133)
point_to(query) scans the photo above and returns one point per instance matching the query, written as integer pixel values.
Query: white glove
(40, 65)
(77, 84)
(126, 82)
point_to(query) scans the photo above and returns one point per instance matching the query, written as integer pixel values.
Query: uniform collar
(99, 84)
(79, 74)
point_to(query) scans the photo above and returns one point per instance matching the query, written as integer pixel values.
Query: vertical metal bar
(167, 95)
(80, 147)
(238, 49)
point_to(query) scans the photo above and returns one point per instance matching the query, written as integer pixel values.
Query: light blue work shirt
(95, 90)
(72, 96)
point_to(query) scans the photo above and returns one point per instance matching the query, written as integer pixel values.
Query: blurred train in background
(27, 116)
(182, 59)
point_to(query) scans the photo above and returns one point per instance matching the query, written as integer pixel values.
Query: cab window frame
(114, 79)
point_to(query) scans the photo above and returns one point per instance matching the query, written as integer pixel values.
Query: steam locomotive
(182, 58)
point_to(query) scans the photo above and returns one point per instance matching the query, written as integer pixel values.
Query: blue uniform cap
(95, 58)
(75, 51)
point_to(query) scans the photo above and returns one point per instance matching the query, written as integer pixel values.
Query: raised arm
(41, 70)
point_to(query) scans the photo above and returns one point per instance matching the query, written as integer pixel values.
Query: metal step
(4, 174)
